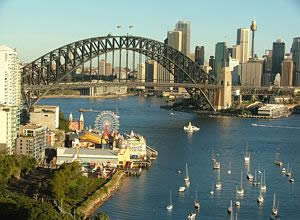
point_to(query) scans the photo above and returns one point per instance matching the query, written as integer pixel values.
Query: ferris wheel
(107, 121)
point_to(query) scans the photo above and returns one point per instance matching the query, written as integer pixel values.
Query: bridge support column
(223, 95)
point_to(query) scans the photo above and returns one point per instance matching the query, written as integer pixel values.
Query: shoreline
(86, 97)
(92, 204)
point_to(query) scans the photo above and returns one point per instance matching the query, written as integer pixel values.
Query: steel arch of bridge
(71, 56)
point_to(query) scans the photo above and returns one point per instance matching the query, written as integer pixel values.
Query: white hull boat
(191, 128)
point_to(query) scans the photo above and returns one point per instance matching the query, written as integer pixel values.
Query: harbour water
(146, 197)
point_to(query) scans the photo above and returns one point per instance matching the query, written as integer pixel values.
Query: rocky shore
(88, 208)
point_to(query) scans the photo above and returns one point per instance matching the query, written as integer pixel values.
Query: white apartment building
(10, 97)
(9, 126)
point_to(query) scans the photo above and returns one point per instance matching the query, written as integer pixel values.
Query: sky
(35, 27)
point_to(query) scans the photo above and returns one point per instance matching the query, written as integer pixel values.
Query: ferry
(191, 128)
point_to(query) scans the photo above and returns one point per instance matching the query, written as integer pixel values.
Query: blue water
(147, 196)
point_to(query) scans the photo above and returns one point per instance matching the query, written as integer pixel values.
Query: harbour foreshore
(88, 208)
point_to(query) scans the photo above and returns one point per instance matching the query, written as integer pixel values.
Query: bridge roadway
(81, 85)
(244, 90)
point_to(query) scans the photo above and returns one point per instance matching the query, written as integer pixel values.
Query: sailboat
(219, 183)
(212, 191)
(288, 172)
(290, 177)
(249, 174)
(274, 208)
(196, 202)
(263, 186)
(187, 178)
(229, 168)
(240, 191)
(170, 206)
(255, 182)
(247, 155)
(260, 198)
(277, 161)
(230, 209)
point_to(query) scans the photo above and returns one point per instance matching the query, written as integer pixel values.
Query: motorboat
(212, 191)
(217, 165)
(283, 170)
(253, 124)
(170, 206)
(192, 215)
(172, 113)
(191, 128)
(230, 209)
(181, 189)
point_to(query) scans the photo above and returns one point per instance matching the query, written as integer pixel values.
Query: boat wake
(273, 126)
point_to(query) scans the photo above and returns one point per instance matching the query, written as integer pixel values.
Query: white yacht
(181, 189)
(187, 178)
(263, 186)
(192, 215)
(196, 202)
(249, 174)
(191, 128)
(230, 209)
(170, 206)
(219, 183)
(240, 191)
(283, 170)
(237, 203)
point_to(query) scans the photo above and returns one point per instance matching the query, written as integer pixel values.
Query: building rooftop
(86, 151)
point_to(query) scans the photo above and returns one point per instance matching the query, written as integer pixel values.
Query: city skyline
(34, 34)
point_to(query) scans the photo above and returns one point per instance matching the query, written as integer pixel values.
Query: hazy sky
(36, 27)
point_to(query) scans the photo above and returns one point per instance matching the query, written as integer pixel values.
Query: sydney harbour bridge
(50, 71)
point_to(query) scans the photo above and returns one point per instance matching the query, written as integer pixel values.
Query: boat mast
(241, 179)
(274, 197)
(170, 197)
(186, 171)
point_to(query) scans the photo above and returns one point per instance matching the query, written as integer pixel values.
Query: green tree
(101, 216)
(63, 123)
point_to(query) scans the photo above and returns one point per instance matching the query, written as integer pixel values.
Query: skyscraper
(287, 72)
(199, 55)
(221, 59)
(296, 59)
(243, 35)
(175, 39)
(184, 27)
(10, 98)
(277, 57)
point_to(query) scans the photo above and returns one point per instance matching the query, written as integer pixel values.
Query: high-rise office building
(184, 27)
(251, 73)
(296, 58)
(287, 69)
(10, 97)
(277, 57)
(151, 70)
(221, 59)
(175, 39)
(267, 68)
(243, 35)
(199, 55)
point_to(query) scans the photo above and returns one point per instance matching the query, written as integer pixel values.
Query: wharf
(132, 171)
